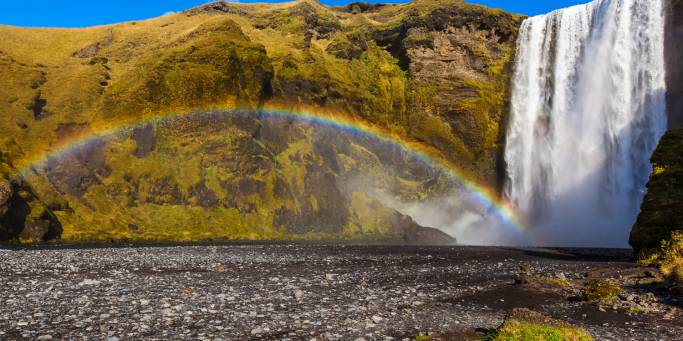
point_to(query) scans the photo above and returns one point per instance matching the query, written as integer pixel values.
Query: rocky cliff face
(674, 67)
(235, 176)
(431, 72)
(23, 217)
(662, 209)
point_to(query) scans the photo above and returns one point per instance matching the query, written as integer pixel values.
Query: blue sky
(80, 13)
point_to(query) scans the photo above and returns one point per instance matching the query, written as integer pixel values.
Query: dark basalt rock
(37, 106)
(278, 133)
(244, 187)
(220, 7)
(324, 208)
(319, 25)
(65, 130)
(37, 229)
(40, 80)
(92, 49)
(74, 173)
(204, 196)
(158, 191)
(328, 144)
(362, 7)
(413, 233)
(350, 48)
(674, 67)
(281, 189)
(88, 51)
(23, 217)
(146, 140)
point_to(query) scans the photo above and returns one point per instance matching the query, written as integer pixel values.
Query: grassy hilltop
(435, 73)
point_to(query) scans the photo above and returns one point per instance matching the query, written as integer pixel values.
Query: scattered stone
(89, 282)
(392, 292)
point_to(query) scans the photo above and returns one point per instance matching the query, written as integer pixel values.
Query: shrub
(672, 257)
(600, 291)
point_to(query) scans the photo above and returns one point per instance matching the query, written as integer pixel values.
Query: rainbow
(485, 199)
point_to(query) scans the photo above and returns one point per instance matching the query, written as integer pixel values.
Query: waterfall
(587, 111)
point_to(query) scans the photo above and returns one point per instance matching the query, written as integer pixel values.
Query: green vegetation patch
(635, 310)
(527, 325)
(600, 291)
(212, 64)
(421, 337)
(550, 280)
(672, 257)
(518, 331)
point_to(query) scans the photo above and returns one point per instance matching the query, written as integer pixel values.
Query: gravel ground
(303, 292)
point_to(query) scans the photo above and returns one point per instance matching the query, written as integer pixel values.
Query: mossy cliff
(435, 73)
(656, 234)
(662, 209)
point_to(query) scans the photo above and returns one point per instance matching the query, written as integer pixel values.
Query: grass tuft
(527, 325)
(519, 331)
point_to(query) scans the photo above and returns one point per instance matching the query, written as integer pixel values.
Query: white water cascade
(588, 108)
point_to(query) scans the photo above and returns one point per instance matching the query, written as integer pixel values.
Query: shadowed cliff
(674, 65)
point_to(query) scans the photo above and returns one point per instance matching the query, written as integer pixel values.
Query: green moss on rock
(662, 208)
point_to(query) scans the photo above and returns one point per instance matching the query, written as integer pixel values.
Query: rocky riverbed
(321, 292)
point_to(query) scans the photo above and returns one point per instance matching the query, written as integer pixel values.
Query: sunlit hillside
(431, 74)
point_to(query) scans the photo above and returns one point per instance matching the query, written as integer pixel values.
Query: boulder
(415, 234)
(371, 213)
